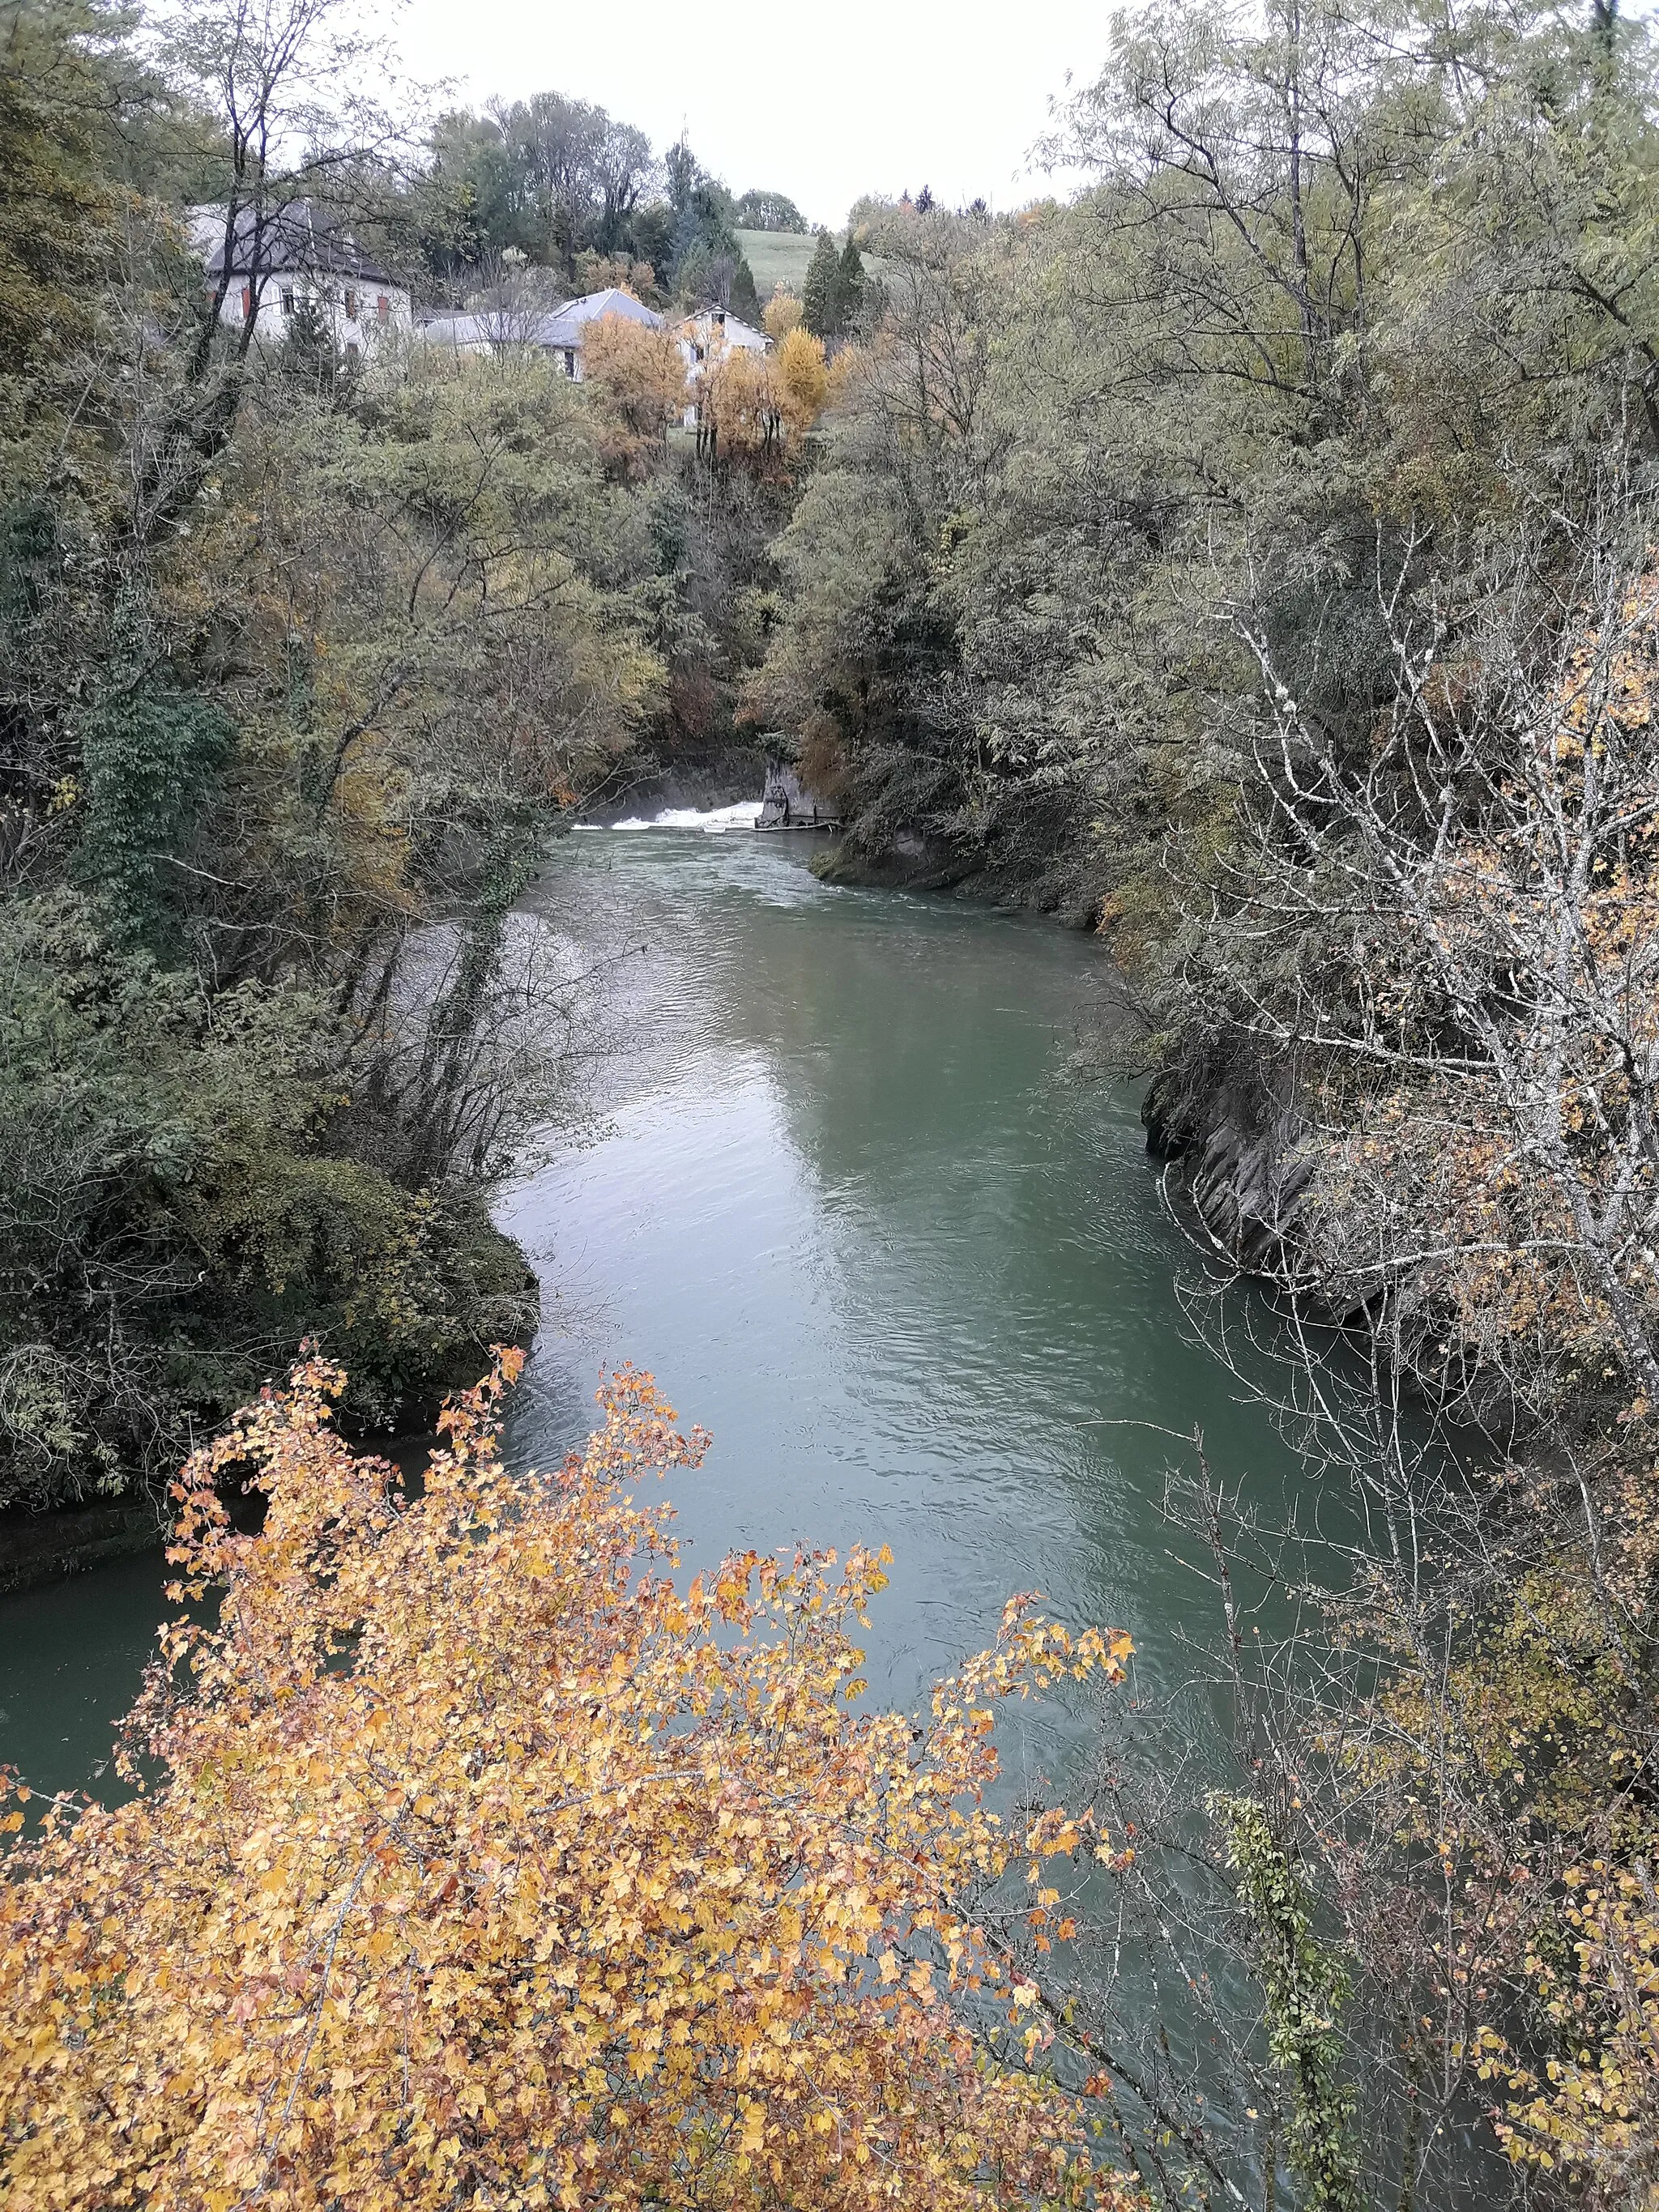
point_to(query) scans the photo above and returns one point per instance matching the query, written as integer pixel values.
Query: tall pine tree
(821, 294)
(849, 285)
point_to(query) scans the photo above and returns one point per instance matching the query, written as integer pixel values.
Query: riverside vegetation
(302, 662)
(1252, 557)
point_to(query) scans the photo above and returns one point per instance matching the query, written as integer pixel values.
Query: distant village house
(300, 256)
(715, 330)
(561, 331)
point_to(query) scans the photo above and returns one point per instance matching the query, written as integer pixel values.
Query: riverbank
(916, 863)
(41, 1548)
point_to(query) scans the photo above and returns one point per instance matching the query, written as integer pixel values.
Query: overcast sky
(873, 95)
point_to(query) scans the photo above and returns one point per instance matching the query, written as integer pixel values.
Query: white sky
(875, 96)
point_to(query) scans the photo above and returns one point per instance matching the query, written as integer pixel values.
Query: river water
(838, 1181)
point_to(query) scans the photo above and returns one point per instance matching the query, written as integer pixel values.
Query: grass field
(779, 257)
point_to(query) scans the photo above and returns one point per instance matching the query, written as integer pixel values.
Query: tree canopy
(769, 211)
(483, 1856)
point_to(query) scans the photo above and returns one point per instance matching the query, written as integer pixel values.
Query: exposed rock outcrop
(1245, 1174)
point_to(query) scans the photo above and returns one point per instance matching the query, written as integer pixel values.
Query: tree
(1483, 1158)
(821, 293)
(850, 283)
(769, 211)
(740, 295)
(54, 213)
(638, 373)
(782, 314)
(738, 414)
(709, 262)
(802, 379)
(286, 82)
(622, 169)
(483, 1858)
(651, 228)
(475, 202)
(552, 177)
(560, 144)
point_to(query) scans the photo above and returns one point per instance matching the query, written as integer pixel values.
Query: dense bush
(483, 1860)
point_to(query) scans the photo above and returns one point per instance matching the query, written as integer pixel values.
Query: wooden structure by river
(786, 804)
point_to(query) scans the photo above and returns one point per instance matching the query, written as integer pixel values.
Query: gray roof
(553, 327)
(299, 237)
(611, 301)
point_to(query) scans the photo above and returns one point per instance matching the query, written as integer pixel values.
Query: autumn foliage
(640, 378)
(486, 1865)
(780, 315)
(750, 404)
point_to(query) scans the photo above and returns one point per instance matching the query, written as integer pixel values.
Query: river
(838, 1181)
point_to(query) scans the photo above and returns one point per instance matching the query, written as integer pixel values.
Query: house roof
(612, 301)
(464, 330)
(554, 328)
(299, 237)
(736, 332)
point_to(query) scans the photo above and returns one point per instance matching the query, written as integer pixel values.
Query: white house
(704, 337)
(558, 331)
(562, 332)
(716, 330)
(299, 255)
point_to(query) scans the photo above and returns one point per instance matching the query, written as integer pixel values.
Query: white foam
(714, 819)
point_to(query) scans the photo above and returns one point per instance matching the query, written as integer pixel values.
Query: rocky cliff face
(1242, 1169)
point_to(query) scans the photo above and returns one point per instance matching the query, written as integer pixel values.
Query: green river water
(839, 1184)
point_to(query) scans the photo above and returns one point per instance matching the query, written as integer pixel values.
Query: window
(351, 306)
(383, 308)
(570, 360)
(354, 352)
(288, 298)
(247, 303)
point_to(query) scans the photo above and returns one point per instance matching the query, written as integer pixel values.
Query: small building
(714, 330)
(703, 337)
(296, 256)
(561, 332)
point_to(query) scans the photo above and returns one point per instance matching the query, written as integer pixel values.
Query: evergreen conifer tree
(849, 284)
(821, 294)
(745, 301)
(694, 274)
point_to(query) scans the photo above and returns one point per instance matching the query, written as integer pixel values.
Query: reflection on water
(852, 1207)
(838, 1191)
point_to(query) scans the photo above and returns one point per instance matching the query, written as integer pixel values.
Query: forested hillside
(304, 657)
(1254, 559)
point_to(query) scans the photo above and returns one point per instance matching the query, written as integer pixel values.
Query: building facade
(299, 257)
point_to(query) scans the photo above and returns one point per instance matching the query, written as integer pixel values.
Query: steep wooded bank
(1255, 559)
(1247, 558)
(304, 653)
